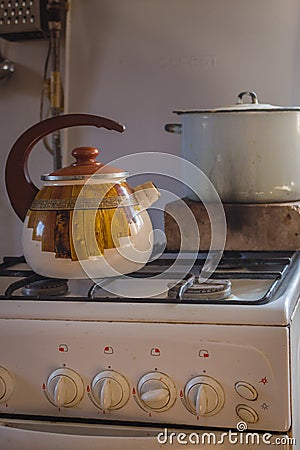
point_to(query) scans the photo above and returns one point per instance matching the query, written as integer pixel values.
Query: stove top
(260, 288)
(240, 278)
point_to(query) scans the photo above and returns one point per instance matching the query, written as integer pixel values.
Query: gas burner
(190, 289)
(46, 287)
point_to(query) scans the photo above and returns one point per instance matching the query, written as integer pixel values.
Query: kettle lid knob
(85, 155)
(85, 166)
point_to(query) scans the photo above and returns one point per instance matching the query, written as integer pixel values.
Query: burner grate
(246, 266)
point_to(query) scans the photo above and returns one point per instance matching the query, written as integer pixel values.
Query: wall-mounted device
(27, 19)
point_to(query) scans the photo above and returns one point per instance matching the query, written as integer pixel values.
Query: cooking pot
(86, 221)
(250, 151)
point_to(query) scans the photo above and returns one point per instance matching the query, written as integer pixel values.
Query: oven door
(27, 435)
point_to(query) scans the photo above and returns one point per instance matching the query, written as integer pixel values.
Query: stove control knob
(65, 387)
(110, 390)
(6, 385)
(204, 396)
(156, 391)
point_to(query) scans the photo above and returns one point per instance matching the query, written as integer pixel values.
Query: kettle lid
(84, 167)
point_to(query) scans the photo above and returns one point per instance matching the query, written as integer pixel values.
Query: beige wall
(19, 109)
(138, 60)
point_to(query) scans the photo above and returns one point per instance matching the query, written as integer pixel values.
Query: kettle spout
(146, 194)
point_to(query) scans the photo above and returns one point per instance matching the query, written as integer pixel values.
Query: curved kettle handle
(20, 188)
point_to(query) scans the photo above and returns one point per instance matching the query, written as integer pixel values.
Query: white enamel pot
(249, 151)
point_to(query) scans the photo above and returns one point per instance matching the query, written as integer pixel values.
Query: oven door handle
(27, 435)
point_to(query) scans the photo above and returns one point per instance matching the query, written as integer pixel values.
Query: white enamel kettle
(86, 221)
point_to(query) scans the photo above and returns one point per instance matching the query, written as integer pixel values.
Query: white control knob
(65, 387)
(6, 385)
(247, 414)
(156, 391)
(110, 390)
(204, 396)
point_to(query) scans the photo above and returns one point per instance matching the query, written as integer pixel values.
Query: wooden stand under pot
(256, 227)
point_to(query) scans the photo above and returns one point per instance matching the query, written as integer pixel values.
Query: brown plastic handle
(20, 188)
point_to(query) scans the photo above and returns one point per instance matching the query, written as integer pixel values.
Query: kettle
(85, 221)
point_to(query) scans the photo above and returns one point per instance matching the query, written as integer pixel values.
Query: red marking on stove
(203, 353)
(103, 411)
(197, 417)
(155, 351)
(133, 391)
(59, 409)
(88, 389)
(181, 394)
(44, 386)
(108, 350)
(63, 348)
(6, 405)
(264, 380)
(150, 415)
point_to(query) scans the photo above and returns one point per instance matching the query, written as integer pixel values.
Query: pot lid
(84, 167)
(242, 106)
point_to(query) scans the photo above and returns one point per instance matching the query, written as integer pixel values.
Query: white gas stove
(203, 359)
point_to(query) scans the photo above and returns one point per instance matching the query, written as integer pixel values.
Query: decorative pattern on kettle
(81, 203)
(51, 217)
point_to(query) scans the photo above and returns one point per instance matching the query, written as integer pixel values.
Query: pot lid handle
(251, 94)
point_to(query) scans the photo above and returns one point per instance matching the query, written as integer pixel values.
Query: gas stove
(155, 348)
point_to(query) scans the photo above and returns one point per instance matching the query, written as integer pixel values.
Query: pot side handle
(173, 128)
(20, 188)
